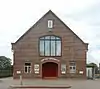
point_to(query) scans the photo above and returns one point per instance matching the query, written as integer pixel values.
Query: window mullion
(44, 46)
(27, 69)
(50, 45)
(55, 48)
(49, 48)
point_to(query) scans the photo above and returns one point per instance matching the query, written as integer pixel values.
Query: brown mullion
(55, 48)
(44, 47)
(49, 48)
(50, 45)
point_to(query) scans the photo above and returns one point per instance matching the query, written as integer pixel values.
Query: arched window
(50, 46)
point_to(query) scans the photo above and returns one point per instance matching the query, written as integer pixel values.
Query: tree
(5, 62)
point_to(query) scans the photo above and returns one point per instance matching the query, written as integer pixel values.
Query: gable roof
(86, 44)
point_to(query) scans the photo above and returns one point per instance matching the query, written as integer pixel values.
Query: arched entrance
(49, 69)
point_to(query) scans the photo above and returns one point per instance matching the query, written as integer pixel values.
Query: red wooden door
(49, 69)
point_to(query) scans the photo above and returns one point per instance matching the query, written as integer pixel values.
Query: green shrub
(5, 73)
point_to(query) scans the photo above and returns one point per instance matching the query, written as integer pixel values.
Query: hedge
(6, 73)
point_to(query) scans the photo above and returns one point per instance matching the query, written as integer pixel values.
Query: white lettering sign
(46, 59)
(18, 72)
(36, 68)
(63, 68)
(80, 72)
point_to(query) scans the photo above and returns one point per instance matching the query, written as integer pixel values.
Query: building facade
(49, 49)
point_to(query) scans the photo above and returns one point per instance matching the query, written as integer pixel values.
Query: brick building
(49, 49)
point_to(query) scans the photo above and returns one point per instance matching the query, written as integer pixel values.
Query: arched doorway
(49, 69)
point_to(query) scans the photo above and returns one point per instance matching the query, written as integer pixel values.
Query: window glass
(58, 48)
(47, 48)
(52, 37)
(57, 38)
(72, 67)
(50, 23)
(42, 47)
(27, 64)
(50, 46)
(47, 37)
(27, 68)
(42, 38)
(72, 63)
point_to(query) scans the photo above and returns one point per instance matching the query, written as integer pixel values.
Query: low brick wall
(39, 87)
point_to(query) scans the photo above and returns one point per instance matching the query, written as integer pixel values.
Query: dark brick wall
(26, 49)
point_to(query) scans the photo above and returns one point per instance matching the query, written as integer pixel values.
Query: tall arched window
(50, 46)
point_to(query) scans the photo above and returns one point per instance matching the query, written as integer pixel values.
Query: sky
(82, 16)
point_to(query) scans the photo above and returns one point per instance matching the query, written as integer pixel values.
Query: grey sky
(82, 16)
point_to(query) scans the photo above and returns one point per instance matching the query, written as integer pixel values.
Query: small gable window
(50, 23)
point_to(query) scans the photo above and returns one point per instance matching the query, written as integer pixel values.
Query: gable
(50, 13)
